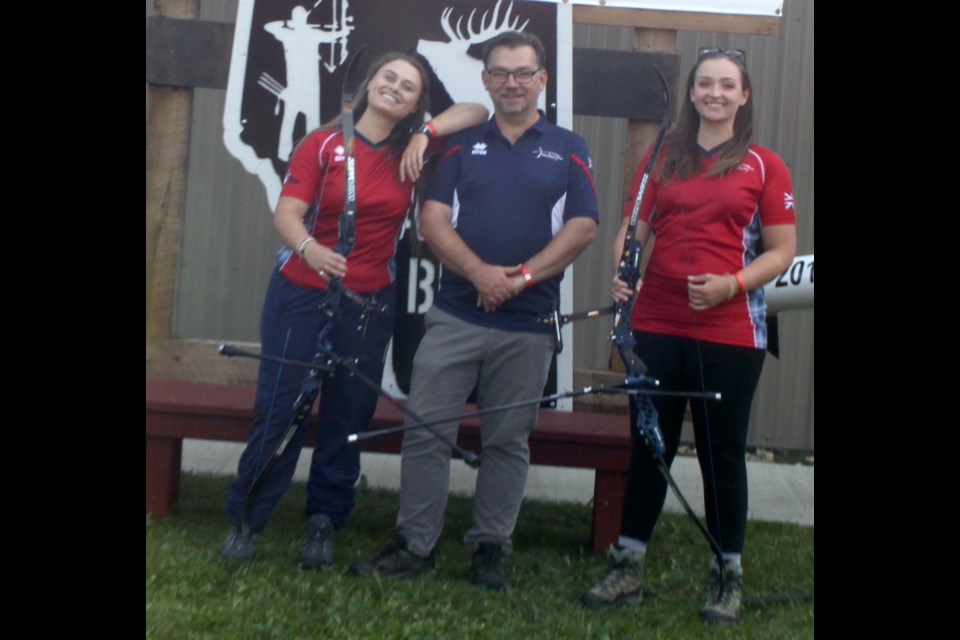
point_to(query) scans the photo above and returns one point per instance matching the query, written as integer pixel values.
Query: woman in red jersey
(719, 212)
(391, 139)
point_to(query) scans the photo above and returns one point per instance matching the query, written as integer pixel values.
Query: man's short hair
(512, 40)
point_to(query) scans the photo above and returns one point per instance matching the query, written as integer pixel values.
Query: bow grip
(629, 269)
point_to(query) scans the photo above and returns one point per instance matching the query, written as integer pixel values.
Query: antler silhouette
(488, 27)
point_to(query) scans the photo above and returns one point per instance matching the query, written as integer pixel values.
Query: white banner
(773, 8)
(792, 289)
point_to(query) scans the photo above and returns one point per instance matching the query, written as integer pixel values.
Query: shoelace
(728, 587)
(616, 572)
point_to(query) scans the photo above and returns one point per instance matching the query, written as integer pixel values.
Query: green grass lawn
(192, 594)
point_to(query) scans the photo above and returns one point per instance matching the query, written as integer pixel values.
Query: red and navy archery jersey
(509, 201)
(317, 173)
(710, 225)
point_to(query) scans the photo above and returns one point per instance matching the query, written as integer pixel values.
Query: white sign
(792, 289)
(773, 8)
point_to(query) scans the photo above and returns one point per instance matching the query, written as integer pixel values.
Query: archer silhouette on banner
(302, 54)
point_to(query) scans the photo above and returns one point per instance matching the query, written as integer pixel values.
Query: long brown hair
(403, 130)
(682, 159)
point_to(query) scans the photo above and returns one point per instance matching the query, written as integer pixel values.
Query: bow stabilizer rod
(331, 362)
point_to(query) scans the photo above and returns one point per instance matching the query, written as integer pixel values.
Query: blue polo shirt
(509, 201)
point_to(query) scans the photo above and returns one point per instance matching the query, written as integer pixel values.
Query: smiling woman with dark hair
(720, 209)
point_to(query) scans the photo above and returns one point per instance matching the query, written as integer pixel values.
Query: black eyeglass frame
(733, 54)
(490, 73)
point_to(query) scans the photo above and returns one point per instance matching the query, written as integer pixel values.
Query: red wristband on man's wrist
(526, 275)
(740, 285)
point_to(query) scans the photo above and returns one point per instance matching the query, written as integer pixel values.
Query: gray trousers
(509, 366)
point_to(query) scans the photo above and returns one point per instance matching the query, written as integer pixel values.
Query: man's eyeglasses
(523, 76)
(735, 54)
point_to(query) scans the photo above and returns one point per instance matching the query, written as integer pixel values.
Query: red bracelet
(526, 275)
(430, 127)
(740, 285)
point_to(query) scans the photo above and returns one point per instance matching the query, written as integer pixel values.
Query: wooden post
(640, 135)
(168, 141)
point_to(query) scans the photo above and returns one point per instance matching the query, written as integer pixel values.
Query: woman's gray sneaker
(239, 545)
(317, 549)
(623, 582)
(723, 597)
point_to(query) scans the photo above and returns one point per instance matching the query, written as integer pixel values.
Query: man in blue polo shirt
(512, 204)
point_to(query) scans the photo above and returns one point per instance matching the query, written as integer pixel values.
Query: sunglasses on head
(735, 54)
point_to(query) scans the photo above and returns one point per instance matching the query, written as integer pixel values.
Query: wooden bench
(179, 409)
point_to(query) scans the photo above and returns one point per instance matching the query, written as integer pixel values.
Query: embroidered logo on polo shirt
(549, 155)
(480, 149)
(745, 167)
(788, 201)
(338, 153)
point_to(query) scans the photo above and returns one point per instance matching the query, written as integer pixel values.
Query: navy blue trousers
(719, 430)
(289, 328)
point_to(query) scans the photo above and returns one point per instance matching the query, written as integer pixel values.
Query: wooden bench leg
(608, 489)
(163, 474)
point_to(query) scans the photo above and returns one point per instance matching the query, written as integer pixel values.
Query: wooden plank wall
(210, 245)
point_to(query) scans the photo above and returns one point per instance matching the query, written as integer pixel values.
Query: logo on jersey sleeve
(788, 201)
(289, 178)
(479, 149)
